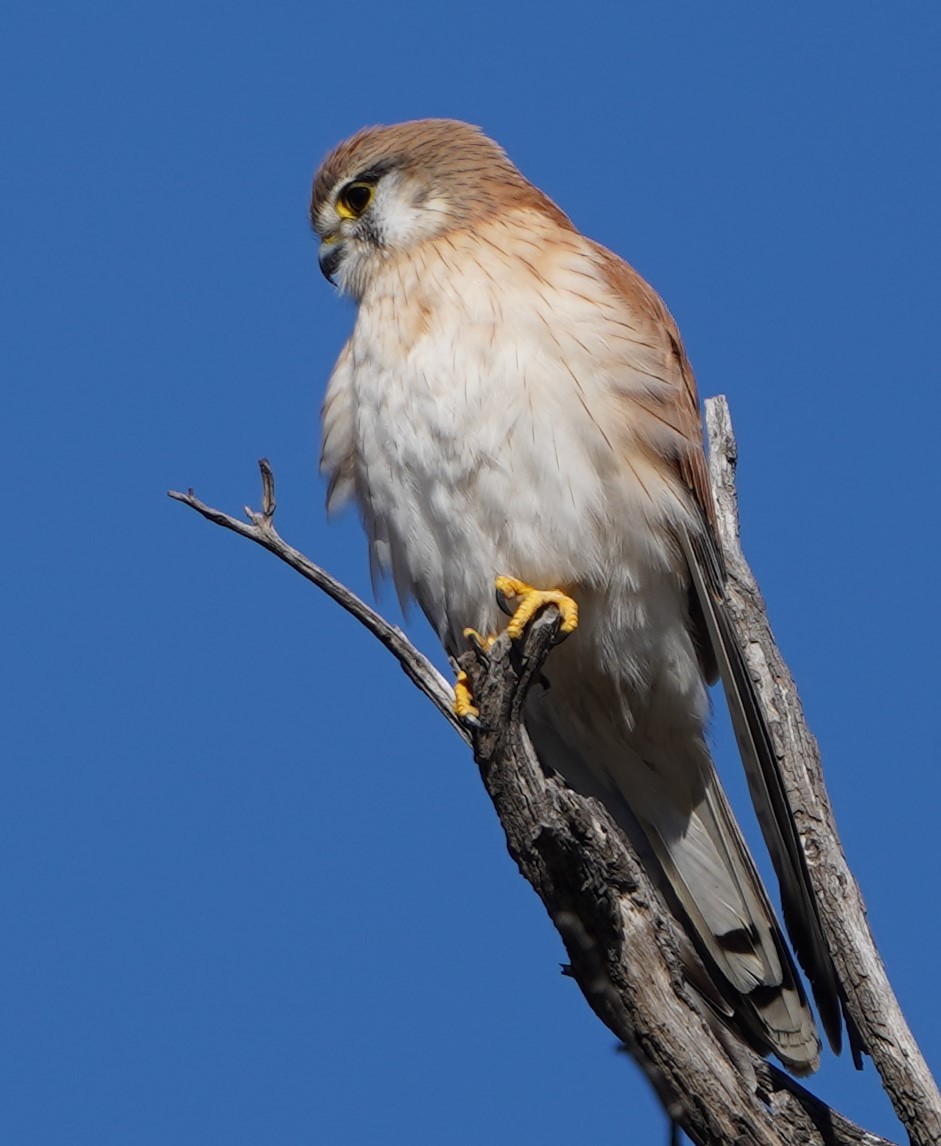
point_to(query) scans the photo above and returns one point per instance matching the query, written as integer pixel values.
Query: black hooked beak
(329, 260)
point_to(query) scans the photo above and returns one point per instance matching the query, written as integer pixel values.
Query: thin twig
(261, 529)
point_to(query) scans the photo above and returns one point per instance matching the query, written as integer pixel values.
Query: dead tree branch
(261, 529)
(871, 1000)
(629, 956)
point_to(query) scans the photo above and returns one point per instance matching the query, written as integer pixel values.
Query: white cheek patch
(399, 220)
(396, 220)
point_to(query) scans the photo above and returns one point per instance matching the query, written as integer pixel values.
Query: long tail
(713, 876)
(766, 785)
(675, 811)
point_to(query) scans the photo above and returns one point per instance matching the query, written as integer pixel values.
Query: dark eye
(354, 199)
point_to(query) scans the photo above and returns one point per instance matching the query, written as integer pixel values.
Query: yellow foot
(464, 707)
(531, 601)
(482, 643)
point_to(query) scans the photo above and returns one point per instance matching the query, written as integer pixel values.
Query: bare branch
(870, 998)
(628, 954)
(261, 529)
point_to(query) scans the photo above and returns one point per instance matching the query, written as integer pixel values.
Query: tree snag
(628, 954)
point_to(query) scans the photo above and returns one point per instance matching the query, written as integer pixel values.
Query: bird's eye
(354, 199)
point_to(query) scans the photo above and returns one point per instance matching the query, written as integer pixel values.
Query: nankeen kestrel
(515, 403)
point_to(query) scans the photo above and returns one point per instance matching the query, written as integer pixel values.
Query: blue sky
(252, 890)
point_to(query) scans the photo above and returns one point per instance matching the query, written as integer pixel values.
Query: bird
(517, 420)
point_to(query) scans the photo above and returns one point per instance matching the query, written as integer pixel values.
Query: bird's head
(386, 190)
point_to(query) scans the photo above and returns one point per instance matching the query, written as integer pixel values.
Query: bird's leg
(464, 707)
(482, 643)
(530, 602)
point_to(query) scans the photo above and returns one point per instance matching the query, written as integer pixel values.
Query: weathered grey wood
(627, 953)
(870, 998)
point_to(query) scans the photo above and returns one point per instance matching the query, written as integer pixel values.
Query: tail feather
(712, 875)
(765, 782)
(706, 868)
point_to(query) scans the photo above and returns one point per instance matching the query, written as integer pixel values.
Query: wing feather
(766, 785)
(677, 406)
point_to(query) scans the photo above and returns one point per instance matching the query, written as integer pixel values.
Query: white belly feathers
(487, 442)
